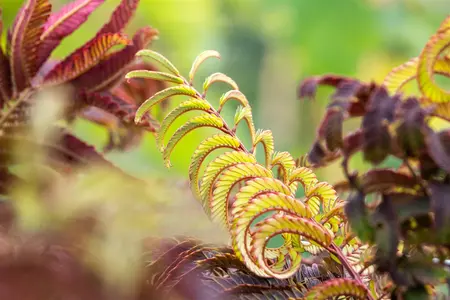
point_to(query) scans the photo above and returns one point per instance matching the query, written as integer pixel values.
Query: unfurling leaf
(161, 96)
(233, 94)
(185, 107)
(204, 120)
(218, 77)
(159, 58)
(435, 46)
(199, 60)
(154, 75)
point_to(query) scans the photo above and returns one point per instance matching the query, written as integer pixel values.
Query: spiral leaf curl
(248, 197)
(433, 60)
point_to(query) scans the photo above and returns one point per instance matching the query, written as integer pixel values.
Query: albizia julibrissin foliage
(407, 218)
(94, 72)
(256, 201)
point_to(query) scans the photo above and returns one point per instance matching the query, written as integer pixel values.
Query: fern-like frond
(434, 59)
(255, 201)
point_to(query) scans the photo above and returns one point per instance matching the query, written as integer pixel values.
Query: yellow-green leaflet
(437, 44)
(265, 137)
(189, 105)
(236, 190)
(279, 224)
(406, 72)
(204, 120)
(245, 113)
(154, 75)
(199, 60)
(217, 166)
(161, 96)
(305, 176)
(159, 58)
(260, 195)
(285, 161)
(225, 181)
(218, 77)
(233, 94)
(203, 150)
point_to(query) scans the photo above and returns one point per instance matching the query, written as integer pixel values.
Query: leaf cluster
(91, 75)
(257, 201)
(404, 210)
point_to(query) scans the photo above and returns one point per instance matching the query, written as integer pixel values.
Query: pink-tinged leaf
(115, 106)
(84, 58)
(5, 73)
(120, 17)
(137, 90)
(25, 42)
(63, 23)
(109, 72)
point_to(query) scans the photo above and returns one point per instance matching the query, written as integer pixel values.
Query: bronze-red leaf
(5, 73)
(120, 17)
(110, 71)
(25, 42)
(84, 58)
(64, 22)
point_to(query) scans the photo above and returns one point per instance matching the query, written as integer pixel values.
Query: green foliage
(256, 201)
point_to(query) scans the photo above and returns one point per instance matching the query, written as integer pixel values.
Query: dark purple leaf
(382, 180)
(410, 131)
(347, 90)
(376, 136)
(331, 128)
(387, 234)
(352, 143)
(316, 154)
(409, 206)
(109, 72)
(63, 23)
(355, 210)
(25, 42)
(428, 167)
(308, 87)
(438, 144)
(440, 203)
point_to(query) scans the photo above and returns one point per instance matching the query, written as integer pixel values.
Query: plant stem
(21, 99)
(338, 252)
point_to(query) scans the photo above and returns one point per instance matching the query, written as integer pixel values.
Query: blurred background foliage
(267, 47)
